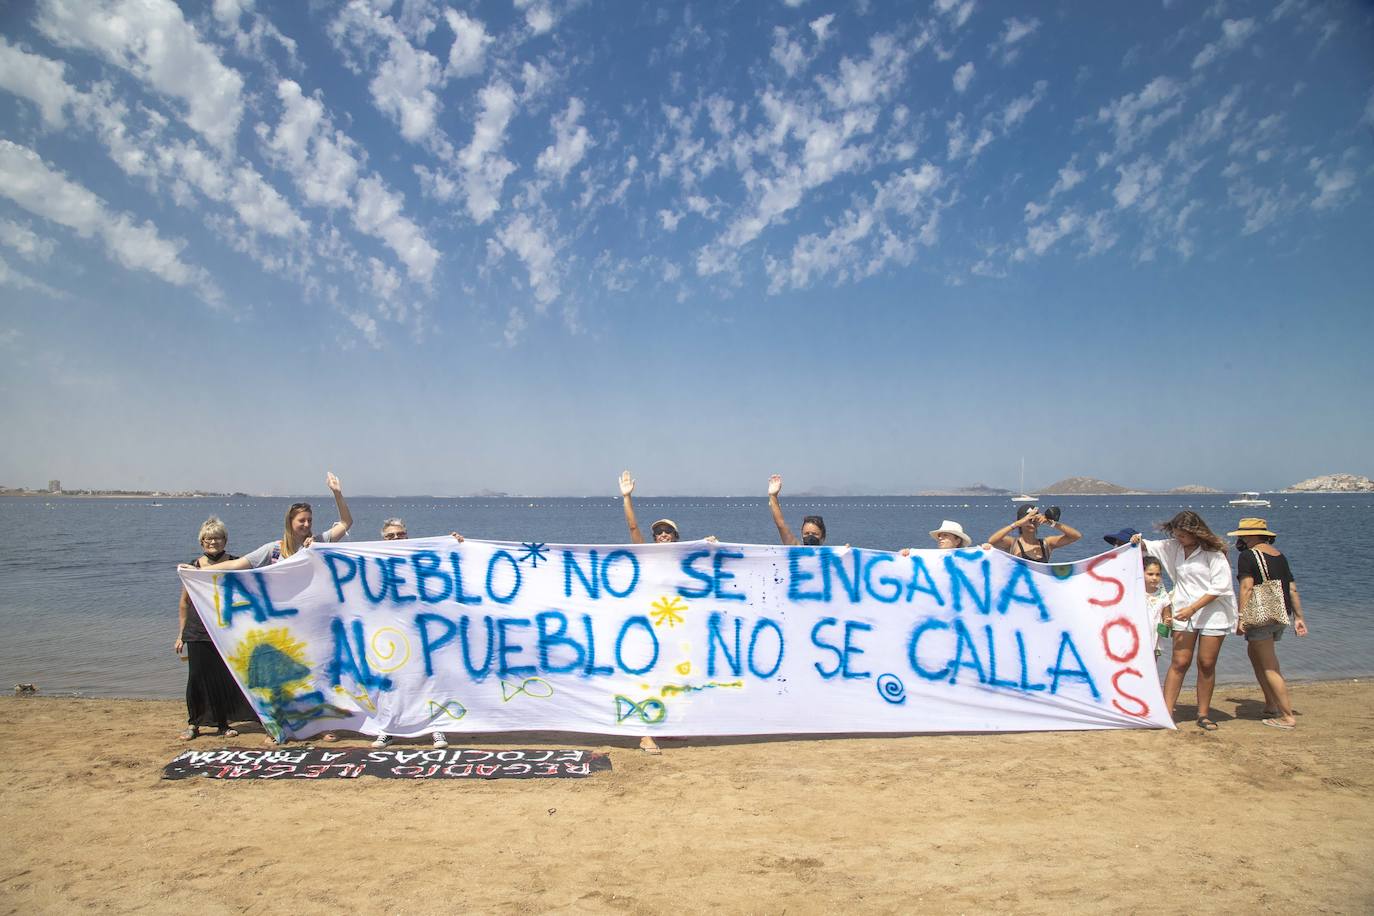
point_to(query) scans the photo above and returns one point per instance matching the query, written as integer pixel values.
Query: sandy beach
(1246, 819)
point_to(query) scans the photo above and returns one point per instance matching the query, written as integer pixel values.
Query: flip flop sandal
(1275, 723)
(227, 733)
(1206, 724)
(190, 734)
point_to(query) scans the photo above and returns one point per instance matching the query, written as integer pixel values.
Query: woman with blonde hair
(1203, 605)
(298, 535)
(212, 695)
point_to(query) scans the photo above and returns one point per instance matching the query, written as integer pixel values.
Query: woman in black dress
(212, 695)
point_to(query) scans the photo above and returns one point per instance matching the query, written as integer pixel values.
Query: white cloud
(540, 15)
(256, 203)
(868, 236)
(153, 41)
(570, 144)
(515, 326)
(864, 81)
(669, 220)
(1335, 187)
(403, 82)
(534, 247)
(788, 54)
(1135, 116)
(957, 11)
(1069, 178)
(32, 184)
(963, 76)
(229, 15)
(1234, 33)
(378, 213)
(1137, 184)
(820, 27)
(28, 244)
(1016, 110)
(484, 168)
(37, 79)
(18, 280)
(1014, 31)
(1041, 238)
(319, 158)
(468, 54)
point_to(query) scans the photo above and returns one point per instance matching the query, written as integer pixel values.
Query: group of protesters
(1197, 614)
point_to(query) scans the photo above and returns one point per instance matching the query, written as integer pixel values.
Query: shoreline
(163, 698)
(1044, 822)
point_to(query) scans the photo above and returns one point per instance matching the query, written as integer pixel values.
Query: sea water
(88, 587)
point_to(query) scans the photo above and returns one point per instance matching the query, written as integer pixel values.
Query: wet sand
(1246, 819)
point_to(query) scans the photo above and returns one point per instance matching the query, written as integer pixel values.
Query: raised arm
(1001, 538)
(345, 522)
(774, 488)
(627, 486)
(1066, 536)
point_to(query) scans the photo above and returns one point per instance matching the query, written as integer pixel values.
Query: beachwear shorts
(1207, 631)
(1272, 631)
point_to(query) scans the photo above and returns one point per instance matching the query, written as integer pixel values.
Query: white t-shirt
(1203, 572)
(270, 552)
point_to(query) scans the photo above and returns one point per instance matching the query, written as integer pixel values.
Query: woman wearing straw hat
(1260, 561)
(949, 536)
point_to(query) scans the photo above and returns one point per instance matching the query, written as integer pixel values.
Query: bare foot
(329, 736)
(649, 746)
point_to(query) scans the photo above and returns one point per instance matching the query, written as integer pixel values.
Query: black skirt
(213, 697)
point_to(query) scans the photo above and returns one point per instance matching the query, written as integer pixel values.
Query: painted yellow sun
(248, 656)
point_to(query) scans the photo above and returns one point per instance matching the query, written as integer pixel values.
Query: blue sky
(519, 245)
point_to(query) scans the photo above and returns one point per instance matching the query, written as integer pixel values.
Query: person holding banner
(299, 534)
(1261, 643)
(393, 529)
(813, 526)
(1204, 605)
(212, 695)
(1027, 543)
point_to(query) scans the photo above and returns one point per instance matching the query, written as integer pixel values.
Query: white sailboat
(1250, 499)
(1022, 497)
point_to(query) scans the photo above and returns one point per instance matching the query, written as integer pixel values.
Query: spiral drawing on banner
(391, 650)
(891, 688)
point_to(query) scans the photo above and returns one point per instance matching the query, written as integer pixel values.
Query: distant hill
(1333, 483)
(1084, 486)
(978, 489)
(1193, 488)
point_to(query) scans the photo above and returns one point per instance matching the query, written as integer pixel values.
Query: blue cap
(1121, 537)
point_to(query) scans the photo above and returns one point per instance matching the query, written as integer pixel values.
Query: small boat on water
(1022, 497)
(1250, 499)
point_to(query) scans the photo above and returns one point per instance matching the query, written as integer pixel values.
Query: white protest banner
(697, 638)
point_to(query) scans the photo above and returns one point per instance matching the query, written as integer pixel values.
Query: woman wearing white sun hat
(949, 536)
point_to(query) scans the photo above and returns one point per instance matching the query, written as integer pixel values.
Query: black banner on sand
(350, 763)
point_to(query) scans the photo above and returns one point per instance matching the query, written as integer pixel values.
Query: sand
(1246, 819)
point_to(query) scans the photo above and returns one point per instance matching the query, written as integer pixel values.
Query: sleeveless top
(1018, 550)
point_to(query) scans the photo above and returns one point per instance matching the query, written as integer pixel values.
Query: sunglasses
(395, 536)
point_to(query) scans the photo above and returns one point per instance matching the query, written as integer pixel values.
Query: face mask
(811, 540)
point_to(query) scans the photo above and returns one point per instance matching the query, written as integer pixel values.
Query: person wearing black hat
(1027, 543)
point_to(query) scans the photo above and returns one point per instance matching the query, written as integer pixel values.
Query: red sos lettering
(1121, 642)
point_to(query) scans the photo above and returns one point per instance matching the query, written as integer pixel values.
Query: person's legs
(649, 746)
(1209, 647)
(1264, 654)
(1179, 663)
(1251, 650)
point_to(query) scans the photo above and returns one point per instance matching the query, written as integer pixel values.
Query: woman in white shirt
(1204, 605)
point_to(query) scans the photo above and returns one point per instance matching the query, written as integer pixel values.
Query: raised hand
(333, 483)
(775, 485)
(627, 483)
